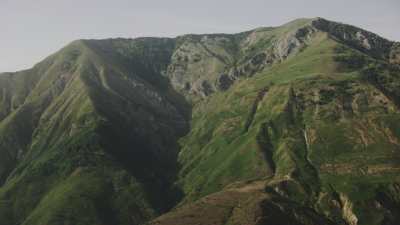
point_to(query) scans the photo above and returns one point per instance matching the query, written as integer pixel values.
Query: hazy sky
(32, 29)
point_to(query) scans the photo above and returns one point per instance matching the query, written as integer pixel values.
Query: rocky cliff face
(202, 65)
(297, 124)
(243, 55)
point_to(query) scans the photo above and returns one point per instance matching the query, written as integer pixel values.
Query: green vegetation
(286, 125)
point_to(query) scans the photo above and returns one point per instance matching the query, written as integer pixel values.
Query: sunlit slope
(321, 124)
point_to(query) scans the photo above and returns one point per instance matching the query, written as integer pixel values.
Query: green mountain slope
(297, 124)
(84, 117)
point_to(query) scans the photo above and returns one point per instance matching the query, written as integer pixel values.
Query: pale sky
(30, 30)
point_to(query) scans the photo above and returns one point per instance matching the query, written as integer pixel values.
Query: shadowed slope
(92, 121)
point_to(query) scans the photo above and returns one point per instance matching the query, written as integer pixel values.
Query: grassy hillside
(297, 124)
(87, 158)
(316, 126)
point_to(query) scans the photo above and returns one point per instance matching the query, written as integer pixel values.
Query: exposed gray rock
(293, 42)
(224, 82)
(203, 64)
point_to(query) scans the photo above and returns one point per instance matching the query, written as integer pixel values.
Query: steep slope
(15, 87)
(83, 123)
(321, 126)
(297, 124)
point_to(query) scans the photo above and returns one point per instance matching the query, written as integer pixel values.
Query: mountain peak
(295, 124)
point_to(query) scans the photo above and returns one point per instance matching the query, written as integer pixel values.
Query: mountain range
(296, 124)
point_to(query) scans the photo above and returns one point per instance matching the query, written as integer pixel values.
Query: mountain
(296, 124)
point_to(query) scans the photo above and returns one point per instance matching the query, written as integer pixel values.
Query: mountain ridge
(160, 123)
